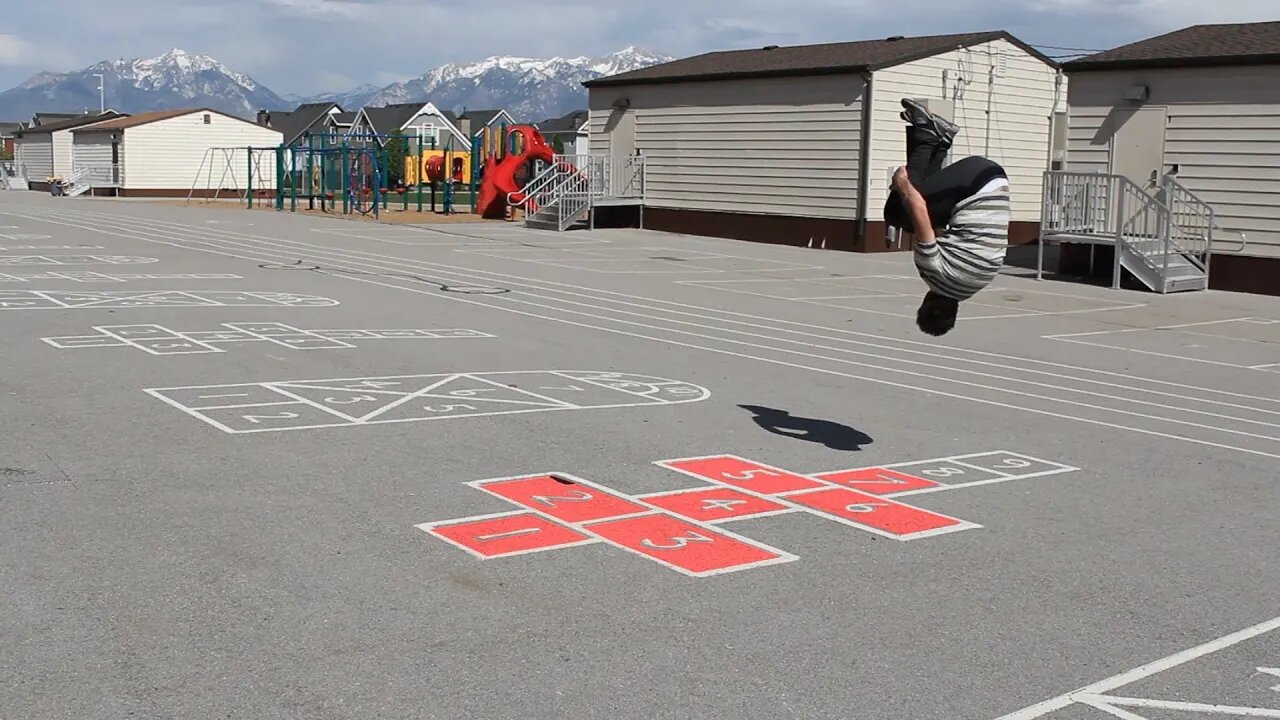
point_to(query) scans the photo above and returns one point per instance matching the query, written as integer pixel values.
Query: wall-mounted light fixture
(1136, 93)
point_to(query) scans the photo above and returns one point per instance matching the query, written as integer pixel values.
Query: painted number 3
(678, 542)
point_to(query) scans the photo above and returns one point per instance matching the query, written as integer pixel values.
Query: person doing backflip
(958, 213)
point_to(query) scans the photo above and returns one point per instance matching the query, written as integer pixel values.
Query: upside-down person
(959, 215)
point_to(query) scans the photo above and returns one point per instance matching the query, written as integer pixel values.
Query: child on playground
(968, 204)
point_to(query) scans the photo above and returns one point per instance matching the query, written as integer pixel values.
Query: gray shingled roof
(1199, 45)
(78, 121)
(567, 123)
(389, 119)
(293, 123)
(797, 60)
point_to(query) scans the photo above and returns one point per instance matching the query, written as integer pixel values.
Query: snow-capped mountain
(529, 88)
(173, 80)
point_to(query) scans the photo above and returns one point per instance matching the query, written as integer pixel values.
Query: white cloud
(17, 51)
(306, 46)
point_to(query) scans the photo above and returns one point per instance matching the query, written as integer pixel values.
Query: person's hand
(900, 179)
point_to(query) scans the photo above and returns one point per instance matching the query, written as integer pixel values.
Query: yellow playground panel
(416, 167)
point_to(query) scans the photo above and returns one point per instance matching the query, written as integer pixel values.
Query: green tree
(557, 144)
(396, 150)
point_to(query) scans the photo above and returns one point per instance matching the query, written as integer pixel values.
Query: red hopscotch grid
(807, 493)
(626, 527)
(687, 521)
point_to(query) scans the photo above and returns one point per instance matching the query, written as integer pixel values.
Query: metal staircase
(77, 183)
(1165, 240)
(566, 193)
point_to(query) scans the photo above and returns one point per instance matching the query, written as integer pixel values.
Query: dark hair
(937, 314)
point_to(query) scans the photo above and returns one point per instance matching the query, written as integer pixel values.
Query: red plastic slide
(500, 176)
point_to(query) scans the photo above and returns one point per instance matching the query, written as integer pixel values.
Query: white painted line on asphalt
(1232, 710)
(1144, 671)
(169, 238)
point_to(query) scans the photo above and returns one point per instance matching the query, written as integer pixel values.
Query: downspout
(864, 159)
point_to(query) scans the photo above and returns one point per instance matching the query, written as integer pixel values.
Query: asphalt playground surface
(259, 465)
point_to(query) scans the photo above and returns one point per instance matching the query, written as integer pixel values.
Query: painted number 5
(746, 474)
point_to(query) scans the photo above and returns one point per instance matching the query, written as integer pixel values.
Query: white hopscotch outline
(46, 247)
(957, 524)
(1095, 694)
(781, 556)
(1178, 328)
(321, 385)
(91, 276)
(15, 260)
(110, 331)
(1058, 469)
(258, 248)
(643, 500)
(431, 528)
(205, 298)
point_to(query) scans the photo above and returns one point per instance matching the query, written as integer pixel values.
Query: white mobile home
(794, 144)
(1200, 105)
(170, 153)
(43, 152)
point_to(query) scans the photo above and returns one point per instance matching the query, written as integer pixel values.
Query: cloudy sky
(310, 46)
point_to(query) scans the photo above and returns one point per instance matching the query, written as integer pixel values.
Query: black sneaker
(917, 115)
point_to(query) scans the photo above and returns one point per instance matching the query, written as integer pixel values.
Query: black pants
(942, 187)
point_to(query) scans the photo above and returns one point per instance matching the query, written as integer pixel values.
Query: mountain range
(531, 89)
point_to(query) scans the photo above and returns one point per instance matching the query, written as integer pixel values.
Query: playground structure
(361, 174)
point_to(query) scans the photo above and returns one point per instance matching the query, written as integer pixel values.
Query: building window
(208, 118)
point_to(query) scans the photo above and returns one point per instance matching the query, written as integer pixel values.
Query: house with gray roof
(424, 121)
(571, 131)
(1200, 104)
(795, 144)
(295, 125)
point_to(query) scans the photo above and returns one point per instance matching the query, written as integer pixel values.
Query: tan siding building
(1002, 97)
(1202, 103)
(166, 153)
(794, 145)
(44, 151)
(779, 146)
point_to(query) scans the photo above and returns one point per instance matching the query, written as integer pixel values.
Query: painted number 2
(550, 500)
(282, 416)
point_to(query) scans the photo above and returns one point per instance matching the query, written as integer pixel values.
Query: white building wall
(168, 154)
(1223, 132)
(779, 146)
(61, 143)
(91, 150)
(1005, 116)
(36, 154)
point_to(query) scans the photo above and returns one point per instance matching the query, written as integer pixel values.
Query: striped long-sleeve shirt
(969, 255)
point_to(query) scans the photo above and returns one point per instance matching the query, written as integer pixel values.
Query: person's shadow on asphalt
(824, 432)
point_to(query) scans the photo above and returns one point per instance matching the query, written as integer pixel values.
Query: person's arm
(915, 205)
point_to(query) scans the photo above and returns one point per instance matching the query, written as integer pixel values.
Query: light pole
(102, 97)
